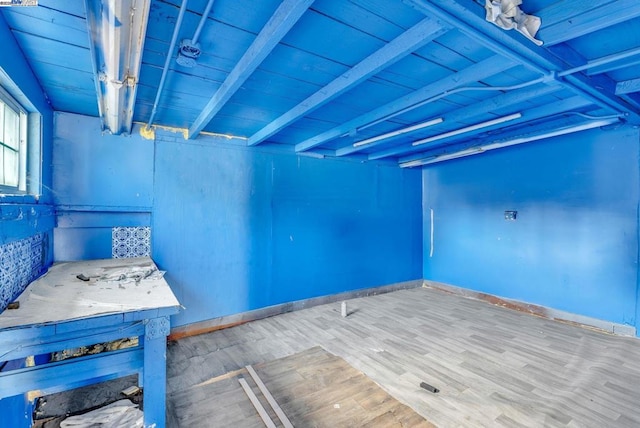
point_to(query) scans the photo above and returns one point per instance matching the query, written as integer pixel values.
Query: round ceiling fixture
(188, 53)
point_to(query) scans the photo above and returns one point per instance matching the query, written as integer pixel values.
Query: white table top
(60, 296)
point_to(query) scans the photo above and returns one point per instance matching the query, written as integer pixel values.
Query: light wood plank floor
(313, 388)
(493, 366)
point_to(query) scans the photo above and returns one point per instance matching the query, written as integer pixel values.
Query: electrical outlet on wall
(510, 215)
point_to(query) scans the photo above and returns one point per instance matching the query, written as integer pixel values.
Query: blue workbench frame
(148, 359)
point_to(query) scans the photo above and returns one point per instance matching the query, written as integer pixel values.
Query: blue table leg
(154, 372)
(16, 412)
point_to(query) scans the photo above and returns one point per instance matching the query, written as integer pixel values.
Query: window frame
(30, 144)
(22, 151)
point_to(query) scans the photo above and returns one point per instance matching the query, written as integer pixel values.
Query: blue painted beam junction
(504, 100)
(285, 17)
(473, 73)
(416, 37)
(512, 100)
(558, 29)
(472, 23)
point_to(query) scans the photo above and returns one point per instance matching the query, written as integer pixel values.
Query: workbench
(115, 299)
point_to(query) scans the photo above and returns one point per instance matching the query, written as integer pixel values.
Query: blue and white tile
(131, 242)
(20, 263)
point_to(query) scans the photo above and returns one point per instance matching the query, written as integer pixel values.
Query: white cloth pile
(121, 414)
(507, 14)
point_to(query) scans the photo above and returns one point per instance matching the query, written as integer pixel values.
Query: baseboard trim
(540, 311)
(227, 321)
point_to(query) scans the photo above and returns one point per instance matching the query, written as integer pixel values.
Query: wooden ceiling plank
(285, 17)
(414, 38)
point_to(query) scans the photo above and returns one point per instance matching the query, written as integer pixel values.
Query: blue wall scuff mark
(574, 244)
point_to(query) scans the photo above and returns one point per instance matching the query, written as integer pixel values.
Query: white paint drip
(431, 238)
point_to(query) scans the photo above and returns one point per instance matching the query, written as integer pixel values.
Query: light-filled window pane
(13, 145)
(11, 128)
(10, 167)
(2, 107)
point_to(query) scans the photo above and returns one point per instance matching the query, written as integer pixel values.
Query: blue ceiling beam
(556, 28)
(463, 116)
(283, 19)
(626, 63)
(473, 73)
(414, 38)
(469, 19)
(628, 86)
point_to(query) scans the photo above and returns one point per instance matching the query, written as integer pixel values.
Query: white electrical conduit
(455, 91)
(203, 19)
(167, 61)
(549, 77)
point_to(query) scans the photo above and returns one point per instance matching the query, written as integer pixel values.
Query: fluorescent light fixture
(311, 155)
(443, 157)
(562, 131)
(468, 129)
(399, 132)
(117, 31)
(497, 145)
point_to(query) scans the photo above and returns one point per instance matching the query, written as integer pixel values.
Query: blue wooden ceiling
(348, 71)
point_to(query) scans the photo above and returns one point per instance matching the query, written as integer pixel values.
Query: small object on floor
(344, 309)
(429, 387)
(272, 401)
(82, 277)
(14, 305)
(132, 390)
(256, 404)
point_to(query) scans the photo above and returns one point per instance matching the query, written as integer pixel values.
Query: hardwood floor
(313, 388)
(493, 366)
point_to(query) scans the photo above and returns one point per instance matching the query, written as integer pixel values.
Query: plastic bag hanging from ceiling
(507, 14)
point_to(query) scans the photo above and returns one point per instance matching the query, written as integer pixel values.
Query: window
(13, 145)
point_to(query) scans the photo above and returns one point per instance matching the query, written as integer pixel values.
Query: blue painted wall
(24, 217)
(236, 228)
(240, 229)
(574, 245)
(101, 181)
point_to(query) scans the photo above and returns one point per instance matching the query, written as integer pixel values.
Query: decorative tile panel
(20, 263)
(131, 242)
